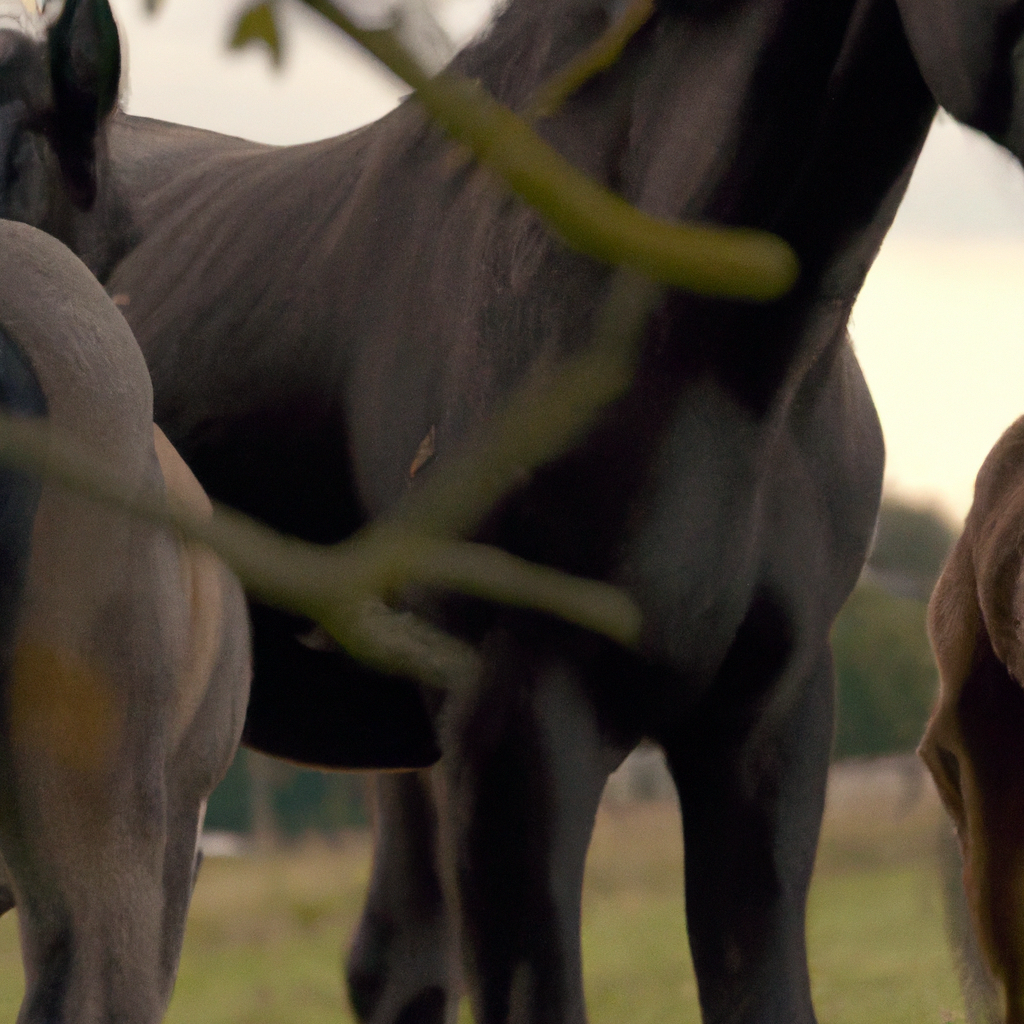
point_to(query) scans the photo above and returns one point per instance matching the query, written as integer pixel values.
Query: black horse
(310, 314)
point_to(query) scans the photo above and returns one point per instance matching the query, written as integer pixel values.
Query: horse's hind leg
(524, 779)
(751, 771)
(403, 967)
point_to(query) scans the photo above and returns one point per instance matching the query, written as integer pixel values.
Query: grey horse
(310, 314)
(125, 671)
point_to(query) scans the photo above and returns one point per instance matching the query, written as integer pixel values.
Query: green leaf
(259, 23)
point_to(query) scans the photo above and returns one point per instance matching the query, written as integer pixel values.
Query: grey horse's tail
(981, 999)
(20, 395)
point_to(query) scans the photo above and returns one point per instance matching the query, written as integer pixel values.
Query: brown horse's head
(974, 744)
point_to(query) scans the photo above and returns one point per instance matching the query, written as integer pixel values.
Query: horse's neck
(714, 119)
(670, 110)
(798, 117)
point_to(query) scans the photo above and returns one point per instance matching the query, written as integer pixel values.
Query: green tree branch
(738, 263)
(348, 588)
(598, 57)
(343, 587)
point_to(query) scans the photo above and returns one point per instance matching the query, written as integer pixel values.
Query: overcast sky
(939, 327)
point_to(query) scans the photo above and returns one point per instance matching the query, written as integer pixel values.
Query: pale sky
(939, 327)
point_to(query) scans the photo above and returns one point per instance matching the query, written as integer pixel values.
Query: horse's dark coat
(733, 490)
(310, 314)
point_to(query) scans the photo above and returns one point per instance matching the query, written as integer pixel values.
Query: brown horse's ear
(85, 68)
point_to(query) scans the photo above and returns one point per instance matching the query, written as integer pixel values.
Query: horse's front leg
(751, 769)
(404, 962)
(524, 767)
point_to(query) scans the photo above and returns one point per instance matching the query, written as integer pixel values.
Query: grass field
(265, 933)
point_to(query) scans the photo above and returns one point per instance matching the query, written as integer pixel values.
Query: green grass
(264, 938)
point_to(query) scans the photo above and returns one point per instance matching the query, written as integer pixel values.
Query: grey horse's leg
(751, 769)
(403, 967)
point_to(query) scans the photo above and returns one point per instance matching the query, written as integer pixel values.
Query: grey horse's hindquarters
(126, 678)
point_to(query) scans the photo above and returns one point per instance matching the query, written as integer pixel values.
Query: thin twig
(599, 56)
(335, 585)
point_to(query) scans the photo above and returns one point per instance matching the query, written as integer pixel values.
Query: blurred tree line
(273, 800)
(887, 681)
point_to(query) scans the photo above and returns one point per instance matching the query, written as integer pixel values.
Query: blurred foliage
(911, 539)
(229, 808)
(323, 802)
(732, 262)
(259, 23)
(539, 422)
(886, 677)
(350, 588)
(598, 57)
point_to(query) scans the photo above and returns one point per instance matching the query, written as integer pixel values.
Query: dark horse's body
(344, 298)
(310, 314)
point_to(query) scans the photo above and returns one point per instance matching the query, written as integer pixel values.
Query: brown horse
(972, 744)
(124, 682)
(310, 314)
